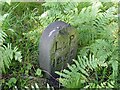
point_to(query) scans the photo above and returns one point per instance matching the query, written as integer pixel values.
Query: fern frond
(7, 54)
(2, 37)
(86, 73)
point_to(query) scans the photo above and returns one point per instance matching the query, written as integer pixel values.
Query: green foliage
(39, 72)
(97, 24)
(18, 30)
(2, 37)
(6, 52)
(23, 27)
(98, 35)
(87, 73)
(11, 82)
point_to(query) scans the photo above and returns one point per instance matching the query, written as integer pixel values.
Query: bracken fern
(7, 54)
(98, 35)
(86, 73)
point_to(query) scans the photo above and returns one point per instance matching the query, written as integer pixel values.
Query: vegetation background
(96, 64)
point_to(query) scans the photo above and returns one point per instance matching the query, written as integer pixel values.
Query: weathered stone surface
(58, 46)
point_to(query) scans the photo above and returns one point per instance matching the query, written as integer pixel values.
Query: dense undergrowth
(21, 25)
